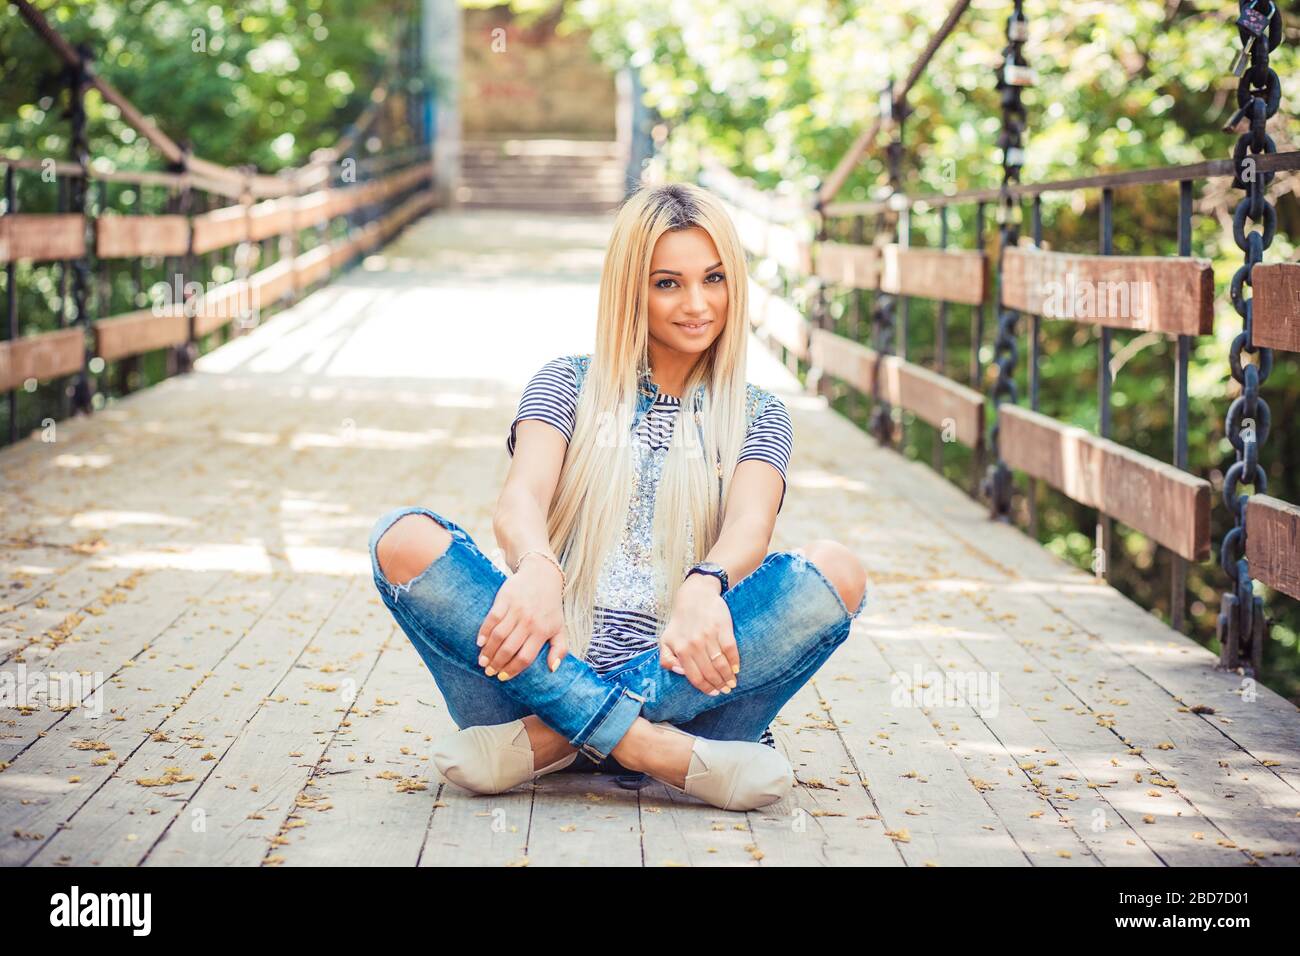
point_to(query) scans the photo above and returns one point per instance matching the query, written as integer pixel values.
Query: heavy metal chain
(881, 423)
(78, 80)
(1013, 75)
(1241, 626)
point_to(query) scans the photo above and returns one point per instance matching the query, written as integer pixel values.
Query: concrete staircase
(544, 175)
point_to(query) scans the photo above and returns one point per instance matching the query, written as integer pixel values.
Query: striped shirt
(551, 396)
(627, 617)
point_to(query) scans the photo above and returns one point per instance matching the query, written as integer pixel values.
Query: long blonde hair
(597, 480)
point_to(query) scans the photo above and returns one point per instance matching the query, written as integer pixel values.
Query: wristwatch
(712, 570)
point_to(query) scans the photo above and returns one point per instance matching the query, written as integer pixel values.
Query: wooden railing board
(273, 217)
(313, 209)
(1275, 308)
(312, 266)
(135, 333)
(949, 275)
(43, 356)
(1273, 542)
(42, 237)
(50, 355)
(220, 228)
(1161, 501)
(271, 284)
(1170, 294)
(847, 264)
(778, 320)
(932, 397)
(123, 237)
(228, 301)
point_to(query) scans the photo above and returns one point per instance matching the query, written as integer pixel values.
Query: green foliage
(262, 82)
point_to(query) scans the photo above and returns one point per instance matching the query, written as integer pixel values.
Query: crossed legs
(413, 542)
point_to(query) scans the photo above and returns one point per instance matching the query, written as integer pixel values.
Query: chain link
(881, 423)
(997, 485)
(1241, 626)
(78, 81)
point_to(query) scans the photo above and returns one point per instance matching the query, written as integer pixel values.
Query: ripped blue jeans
(786, 615)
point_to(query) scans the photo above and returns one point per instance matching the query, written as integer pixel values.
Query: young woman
(645, 626)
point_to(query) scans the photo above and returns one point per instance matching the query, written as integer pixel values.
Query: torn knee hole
(409, 546)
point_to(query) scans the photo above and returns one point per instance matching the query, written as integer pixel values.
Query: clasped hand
(698, 641)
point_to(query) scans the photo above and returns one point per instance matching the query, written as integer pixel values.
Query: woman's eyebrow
(672, 273)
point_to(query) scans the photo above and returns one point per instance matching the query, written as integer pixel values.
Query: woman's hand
(698, 641)
(526, 615)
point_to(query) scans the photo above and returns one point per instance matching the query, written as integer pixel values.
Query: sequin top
(626, 612)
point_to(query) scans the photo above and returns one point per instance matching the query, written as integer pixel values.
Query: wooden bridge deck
(200, 548)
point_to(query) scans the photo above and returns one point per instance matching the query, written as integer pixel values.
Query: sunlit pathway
(199, 548)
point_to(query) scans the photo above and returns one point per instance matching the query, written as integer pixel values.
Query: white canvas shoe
(492, 758)
(734, 774)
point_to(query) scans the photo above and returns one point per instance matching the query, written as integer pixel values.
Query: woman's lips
(693, 328)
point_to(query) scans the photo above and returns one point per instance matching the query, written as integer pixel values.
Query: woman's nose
(696, 304)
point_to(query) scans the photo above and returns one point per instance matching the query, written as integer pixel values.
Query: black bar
(1104, 524)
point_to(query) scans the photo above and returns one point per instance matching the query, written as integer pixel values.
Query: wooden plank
(926, 674)
(1026, 593)
(1169, 664)
(42, 356)
(267, 286)
(342, 252)
(1167, 294)
(121, 237)
(312, 266)
(907, 766)
(227, 302)
(934, 398)
(42, 237)
(1163, 502)
(849, 361)
(220, 228)
(848, 265)
(313, 209)
(273, 757)
(950, 275)
(273, 217)
(830, 817)
(135, 333)
(1273, 542)
(581, 819)
(947, 405)
(168, 637)
(369, 774)
(1275, 305)
(123, 818)
(777, 319)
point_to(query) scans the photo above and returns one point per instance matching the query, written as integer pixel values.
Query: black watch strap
(713, 571)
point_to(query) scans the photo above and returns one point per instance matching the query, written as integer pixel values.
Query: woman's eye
(716, 275)
(665, 284)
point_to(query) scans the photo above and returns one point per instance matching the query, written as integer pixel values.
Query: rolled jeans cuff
(599, 738)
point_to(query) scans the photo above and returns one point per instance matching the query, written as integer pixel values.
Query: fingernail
(727, 689)
(491, 672)
(554, 664)
(482, 660)
(731, 683)
(503, 676)
(713, 693)
(482, 639)
(678, 670)
(735, 668)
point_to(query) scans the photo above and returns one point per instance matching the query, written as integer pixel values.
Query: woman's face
(688, 291)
